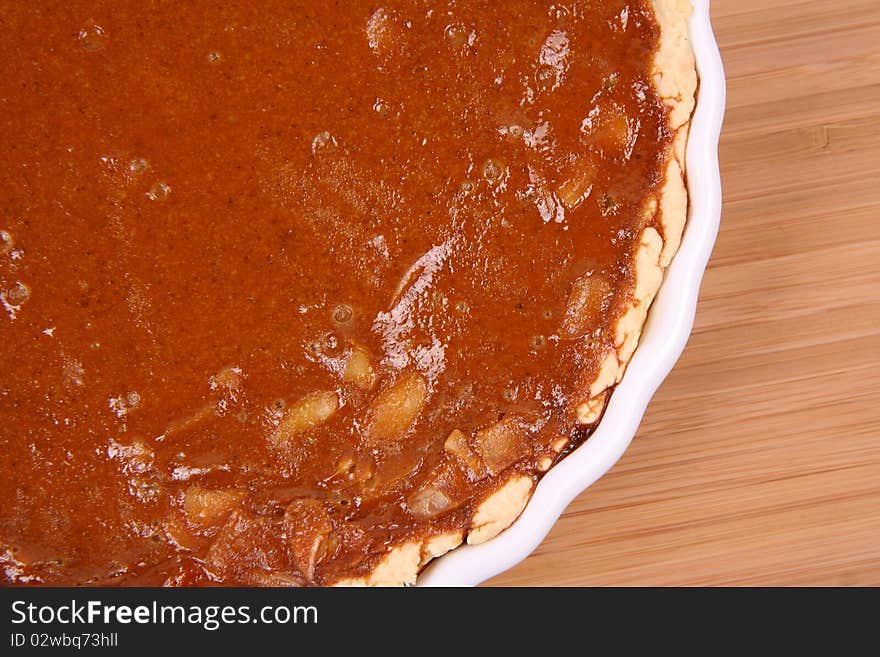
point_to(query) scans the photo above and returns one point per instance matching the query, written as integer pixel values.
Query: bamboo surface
(758, 461)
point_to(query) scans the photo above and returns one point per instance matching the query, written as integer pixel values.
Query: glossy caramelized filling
(287, 283)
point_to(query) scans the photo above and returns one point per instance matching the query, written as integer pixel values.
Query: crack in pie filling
(304, 293)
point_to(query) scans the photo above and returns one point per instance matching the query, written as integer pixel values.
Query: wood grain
(758, 462)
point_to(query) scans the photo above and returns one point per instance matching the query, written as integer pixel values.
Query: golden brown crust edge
(675, 80)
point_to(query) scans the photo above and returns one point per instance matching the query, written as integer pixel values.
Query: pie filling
(287, 285)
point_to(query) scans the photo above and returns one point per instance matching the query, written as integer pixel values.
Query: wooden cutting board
(758, 462)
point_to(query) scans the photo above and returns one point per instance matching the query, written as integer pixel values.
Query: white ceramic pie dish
(665, 334)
